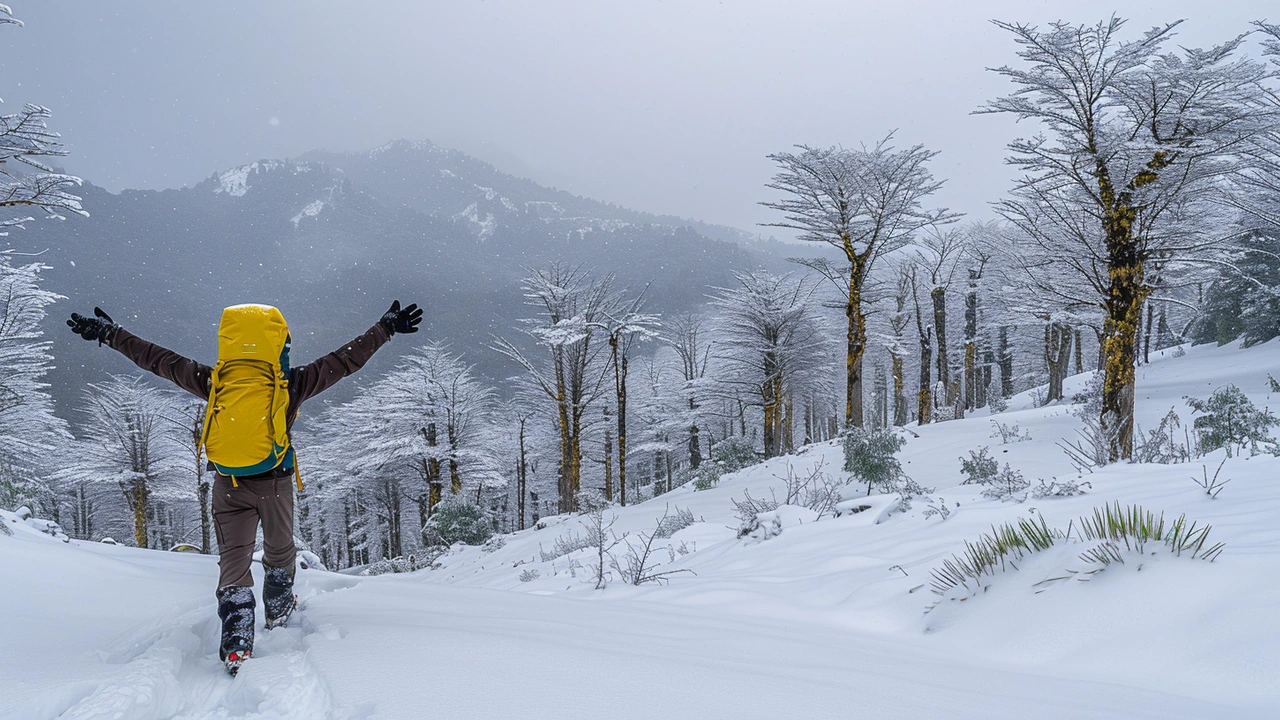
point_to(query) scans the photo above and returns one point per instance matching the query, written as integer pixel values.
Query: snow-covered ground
(831, 618)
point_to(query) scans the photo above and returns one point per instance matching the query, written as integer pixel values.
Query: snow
(235, 182)
(831, 617)
(311, 210)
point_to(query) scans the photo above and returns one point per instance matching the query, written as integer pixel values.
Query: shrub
(870, 456)
(1054, 488)
(1006, 486)
(670, 524)
(1163, 445)
(980, 467)
(1229, 419)
(733, 453)
(1009, 433)
(457, 521)
(706, 476)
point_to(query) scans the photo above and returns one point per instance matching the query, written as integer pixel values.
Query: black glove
(101, 328)
(401, 321)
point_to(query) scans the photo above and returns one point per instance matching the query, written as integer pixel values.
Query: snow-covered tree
(26, 180)
(771, 343)
(1137, 141)
(186, 417)
(32, 438)
(623, 324)
(688, 335)
(126, 442)
(570, 305)
(426, 423)
(866, 203)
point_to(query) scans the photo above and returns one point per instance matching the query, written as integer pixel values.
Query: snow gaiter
(277, 591)
(235, 609)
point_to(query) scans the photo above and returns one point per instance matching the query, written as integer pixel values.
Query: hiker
(246, 440)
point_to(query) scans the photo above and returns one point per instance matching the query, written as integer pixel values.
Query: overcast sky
(663, 106)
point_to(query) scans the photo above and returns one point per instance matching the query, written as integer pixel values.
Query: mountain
(331, 239)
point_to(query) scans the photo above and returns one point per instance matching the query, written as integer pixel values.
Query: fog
(666, 107)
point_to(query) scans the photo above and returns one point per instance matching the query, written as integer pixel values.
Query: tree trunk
(1120, 339)
(856, 340)
(695, 446)
(772, 405)
(984, 388)
(971, 342)
(622, 426)
(925, 399)
(899, 392)
(565, 470)
(521, 478)
(435, 488)
(139, 502)
(1006, 363)
(608, 457)
(206, 542)
(939, 297)
(1057, 357)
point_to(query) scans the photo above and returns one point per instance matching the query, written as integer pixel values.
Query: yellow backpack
(245, 425)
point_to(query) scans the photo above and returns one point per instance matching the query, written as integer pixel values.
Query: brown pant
(236, 512)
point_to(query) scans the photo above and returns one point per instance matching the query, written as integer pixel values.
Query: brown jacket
(304, 382)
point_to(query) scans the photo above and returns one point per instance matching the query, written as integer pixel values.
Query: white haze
(668, 107)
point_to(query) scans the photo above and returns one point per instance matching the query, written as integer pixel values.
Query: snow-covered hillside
(833, 617)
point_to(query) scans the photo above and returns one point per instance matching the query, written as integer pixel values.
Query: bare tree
(938, 256)
(623, 325)
(866, 203)
(25, 139)
(1137, 140)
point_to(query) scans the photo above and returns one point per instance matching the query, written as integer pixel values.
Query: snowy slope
(832, 618)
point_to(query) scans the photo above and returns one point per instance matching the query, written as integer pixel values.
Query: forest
(1145, 216)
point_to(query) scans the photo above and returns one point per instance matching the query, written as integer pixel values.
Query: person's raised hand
(100, 327)
(398, 320)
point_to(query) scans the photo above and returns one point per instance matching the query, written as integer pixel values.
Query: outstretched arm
(314, 378)
(181, 371)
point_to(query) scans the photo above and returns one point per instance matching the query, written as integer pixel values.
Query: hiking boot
(278, 599)
(235, 608)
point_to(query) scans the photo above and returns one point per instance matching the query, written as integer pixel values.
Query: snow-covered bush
(1011, 433)
(733, 453)
(748, 508)
(817, 490)
(1230, 420)
(457, 521)
(529, 575)
(671, 523)
(390, 566)
(706, 476)
(1007, 485)
(563, 545)
(1163, 445)
(980, 467)
(870, 455)
(1059, 488)
(761, 527)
